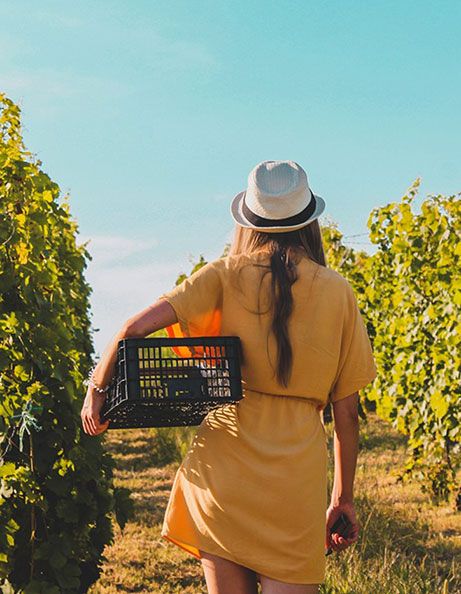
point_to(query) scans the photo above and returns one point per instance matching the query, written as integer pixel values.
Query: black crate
(153, 387)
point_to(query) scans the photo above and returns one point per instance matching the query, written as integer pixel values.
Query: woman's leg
(271, 586)
(226, 577)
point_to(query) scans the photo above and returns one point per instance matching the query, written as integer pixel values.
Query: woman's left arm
(154, 317)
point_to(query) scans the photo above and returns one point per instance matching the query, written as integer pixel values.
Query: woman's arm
(346, 445)
(154, 317)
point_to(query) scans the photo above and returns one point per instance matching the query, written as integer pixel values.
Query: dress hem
(179, 544)
(228, 557)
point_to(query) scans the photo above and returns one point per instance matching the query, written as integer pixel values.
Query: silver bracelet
(97, 388)
(92, 383)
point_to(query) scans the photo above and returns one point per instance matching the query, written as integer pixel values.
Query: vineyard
(409, 292)
(58, 497)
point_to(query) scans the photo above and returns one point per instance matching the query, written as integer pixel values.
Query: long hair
(284, 249)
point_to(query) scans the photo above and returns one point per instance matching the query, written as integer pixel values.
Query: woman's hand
(90, 413)
(335, 541)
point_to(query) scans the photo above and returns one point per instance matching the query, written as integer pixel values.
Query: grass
(407, 544)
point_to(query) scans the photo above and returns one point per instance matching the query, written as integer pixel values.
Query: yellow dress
(253, 486)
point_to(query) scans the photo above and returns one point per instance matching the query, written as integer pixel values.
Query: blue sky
(151, 114)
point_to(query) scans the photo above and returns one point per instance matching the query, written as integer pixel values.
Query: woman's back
(330, 345)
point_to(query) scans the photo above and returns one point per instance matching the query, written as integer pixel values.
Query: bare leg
(226, 577)
(271, 586)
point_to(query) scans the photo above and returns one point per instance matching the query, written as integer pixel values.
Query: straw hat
(278, 198)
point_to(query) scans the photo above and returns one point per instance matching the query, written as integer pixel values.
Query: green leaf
(439, 404)
(58, 560)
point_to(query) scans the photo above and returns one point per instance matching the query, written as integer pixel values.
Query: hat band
(296, 219)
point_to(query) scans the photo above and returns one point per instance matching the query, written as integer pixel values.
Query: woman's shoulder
(235, 261)
(333, 280)
(337, 287)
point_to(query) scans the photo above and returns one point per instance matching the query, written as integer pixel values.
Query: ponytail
(283, 276)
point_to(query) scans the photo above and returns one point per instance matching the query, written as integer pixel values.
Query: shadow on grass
(371, 441)
(382, 527)
(141, 449)
(150, 505)
(376, 434)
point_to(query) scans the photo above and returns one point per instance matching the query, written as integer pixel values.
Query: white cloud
(122, 287)
(106, 249)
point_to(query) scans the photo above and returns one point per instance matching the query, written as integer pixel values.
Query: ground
(407, 544)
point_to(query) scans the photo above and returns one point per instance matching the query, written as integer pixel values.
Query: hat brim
(239, 217)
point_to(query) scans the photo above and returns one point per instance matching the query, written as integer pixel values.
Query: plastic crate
(153, 387)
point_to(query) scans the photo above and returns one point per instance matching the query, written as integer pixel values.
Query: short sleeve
(197, 302)
(356, 368)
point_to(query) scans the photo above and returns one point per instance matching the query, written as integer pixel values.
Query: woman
(250, 497)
